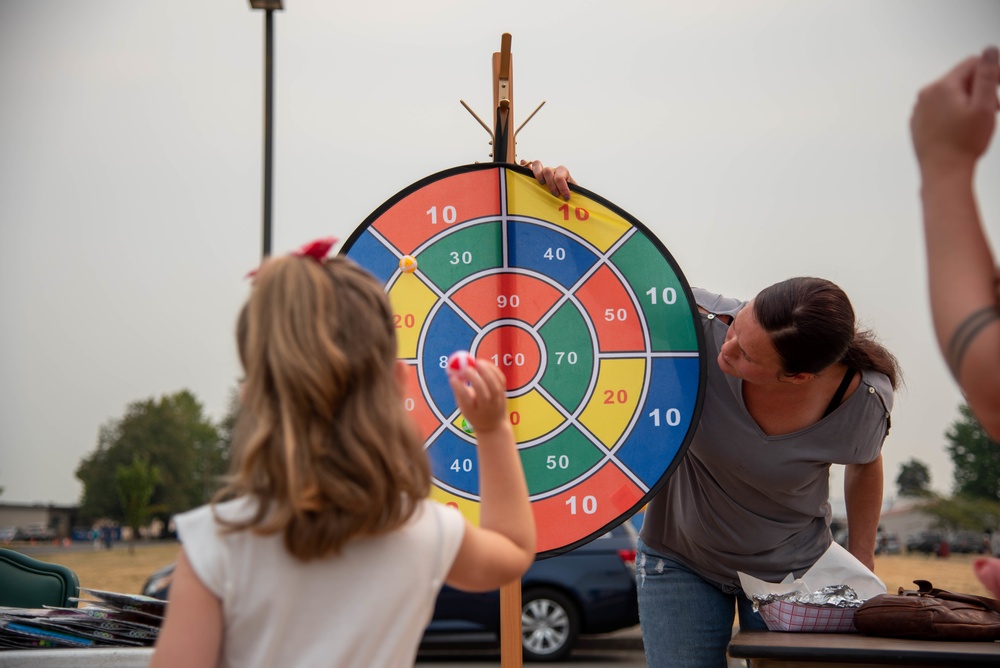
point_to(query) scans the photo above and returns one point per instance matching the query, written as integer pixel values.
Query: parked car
(967, 542)
(7, 534)
(588, 590)
(928, 542)
(887, 543)
(35, 532)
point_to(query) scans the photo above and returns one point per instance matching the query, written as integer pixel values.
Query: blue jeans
(686, 620)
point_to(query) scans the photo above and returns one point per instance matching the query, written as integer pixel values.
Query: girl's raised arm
(502, 547)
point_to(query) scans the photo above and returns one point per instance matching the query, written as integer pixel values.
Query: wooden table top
(848, 648)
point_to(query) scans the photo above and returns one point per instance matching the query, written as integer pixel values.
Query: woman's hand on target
(556, 179)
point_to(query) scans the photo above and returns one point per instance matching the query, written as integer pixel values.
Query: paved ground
(622, 649)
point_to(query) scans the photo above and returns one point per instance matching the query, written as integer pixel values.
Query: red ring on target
(515, 350)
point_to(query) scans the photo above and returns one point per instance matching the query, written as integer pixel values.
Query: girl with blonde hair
(323, 548)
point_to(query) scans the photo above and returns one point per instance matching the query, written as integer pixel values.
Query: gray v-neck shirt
(741, 500)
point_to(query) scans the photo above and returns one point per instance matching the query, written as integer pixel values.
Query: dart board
(580, 306)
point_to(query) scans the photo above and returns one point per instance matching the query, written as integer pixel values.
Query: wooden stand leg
(510, 625)
(503, 103)
(503, 151)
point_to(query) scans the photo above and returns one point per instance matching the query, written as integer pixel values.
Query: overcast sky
(758, 140)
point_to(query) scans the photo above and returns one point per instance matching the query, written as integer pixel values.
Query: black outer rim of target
(696, 319)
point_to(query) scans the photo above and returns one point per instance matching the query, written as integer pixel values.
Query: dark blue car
(588, 590)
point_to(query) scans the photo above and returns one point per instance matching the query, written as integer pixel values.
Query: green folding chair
(29, 583)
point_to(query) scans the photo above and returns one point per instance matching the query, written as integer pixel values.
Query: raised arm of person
(952, 124)
(863, 496)
(502, 547)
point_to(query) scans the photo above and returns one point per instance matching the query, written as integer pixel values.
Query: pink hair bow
(317, 250)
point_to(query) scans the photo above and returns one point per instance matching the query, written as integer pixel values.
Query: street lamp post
(268, 6)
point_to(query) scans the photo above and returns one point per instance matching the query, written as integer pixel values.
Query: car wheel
(550, 625)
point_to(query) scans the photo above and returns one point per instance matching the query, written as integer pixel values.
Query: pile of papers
(106, 619)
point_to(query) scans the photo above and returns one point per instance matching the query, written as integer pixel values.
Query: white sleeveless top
(366, 607)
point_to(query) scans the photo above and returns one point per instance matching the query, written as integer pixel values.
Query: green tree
(135, 484)
(976, 458)
(171, 434)
(212, 456)
(914, 479)
(228, 424)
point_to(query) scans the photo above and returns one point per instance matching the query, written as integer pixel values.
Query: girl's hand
(480, 390)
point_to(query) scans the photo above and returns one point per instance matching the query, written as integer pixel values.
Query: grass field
(117, 570)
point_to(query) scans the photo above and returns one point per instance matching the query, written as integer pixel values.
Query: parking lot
(621, 649)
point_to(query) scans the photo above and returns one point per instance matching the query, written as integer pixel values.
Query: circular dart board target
(584, 311)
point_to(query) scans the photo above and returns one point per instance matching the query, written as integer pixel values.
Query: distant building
(905, 517)
(57, 520)
(902, 516)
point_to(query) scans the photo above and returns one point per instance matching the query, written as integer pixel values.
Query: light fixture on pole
(268, 6)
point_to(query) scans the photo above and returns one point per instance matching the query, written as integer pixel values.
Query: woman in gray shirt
(792, 388)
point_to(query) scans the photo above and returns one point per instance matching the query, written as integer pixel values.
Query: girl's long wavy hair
(811, 324)
(323, 442)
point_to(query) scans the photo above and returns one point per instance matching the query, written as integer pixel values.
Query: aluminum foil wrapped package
(823, 600)
(832, 596)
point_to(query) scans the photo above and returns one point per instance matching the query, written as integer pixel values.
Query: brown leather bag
(929, 614)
